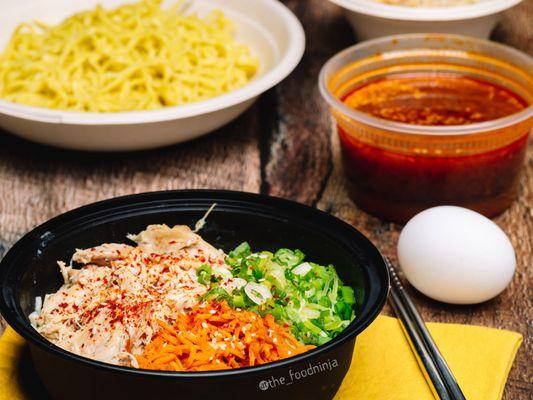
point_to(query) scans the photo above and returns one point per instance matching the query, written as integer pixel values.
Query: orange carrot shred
(215, 336)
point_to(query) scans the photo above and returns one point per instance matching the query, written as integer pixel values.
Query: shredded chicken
(162, 239)
(103, 254)
(108, 310)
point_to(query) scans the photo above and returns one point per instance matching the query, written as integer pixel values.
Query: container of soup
(427, 120)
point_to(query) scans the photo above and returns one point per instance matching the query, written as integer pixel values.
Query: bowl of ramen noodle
(137, 74)
(192, 294)
(377, 18)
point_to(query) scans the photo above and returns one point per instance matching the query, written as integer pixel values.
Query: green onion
(238, 301)
(235, 257)
(241, 250)
(309, 297)
(216, 294)
(204, 273)
(257, 273)
(347, 295)
(323, 340)
(288, 257)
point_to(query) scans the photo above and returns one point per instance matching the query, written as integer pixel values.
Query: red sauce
(397, 185)
(435, 100)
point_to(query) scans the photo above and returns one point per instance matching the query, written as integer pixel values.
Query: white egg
(456, 255)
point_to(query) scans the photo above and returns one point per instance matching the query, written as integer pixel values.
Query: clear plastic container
(394, 170)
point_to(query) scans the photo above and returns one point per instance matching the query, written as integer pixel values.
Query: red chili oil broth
(396, 186)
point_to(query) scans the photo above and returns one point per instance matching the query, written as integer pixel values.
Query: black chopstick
(428, 355)
(426, 363)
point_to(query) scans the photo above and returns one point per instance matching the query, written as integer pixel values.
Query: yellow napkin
(383, 367)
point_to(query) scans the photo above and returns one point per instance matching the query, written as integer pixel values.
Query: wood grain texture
(326, 32)
(285, 146)
(37, 182)
(299, 140)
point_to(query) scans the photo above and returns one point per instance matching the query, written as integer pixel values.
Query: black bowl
(29, 269)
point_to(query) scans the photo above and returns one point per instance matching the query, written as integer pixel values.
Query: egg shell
(455, 255)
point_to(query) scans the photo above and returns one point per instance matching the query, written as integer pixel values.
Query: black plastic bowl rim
(13, 314)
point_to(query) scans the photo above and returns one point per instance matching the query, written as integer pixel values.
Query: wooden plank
(299, 142)
(39, 182)
(516, 27)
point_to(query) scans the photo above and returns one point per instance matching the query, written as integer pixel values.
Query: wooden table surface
(283, 146)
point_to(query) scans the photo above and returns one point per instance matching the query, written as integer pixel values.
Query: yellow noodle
(135, 57)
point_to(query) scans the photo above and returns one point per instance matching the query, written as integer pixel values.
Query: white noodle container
(371, 19)
(272, 32)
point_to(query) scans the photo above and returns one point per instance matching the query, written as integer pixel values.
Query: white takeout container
(273, 33)
(371, 19)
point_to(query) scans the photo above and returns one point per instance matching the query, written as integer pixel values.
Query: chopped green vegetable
(204, 274)
(241, 251)
(238, 301)
(288, 257)
(309, 297)
(347, 295)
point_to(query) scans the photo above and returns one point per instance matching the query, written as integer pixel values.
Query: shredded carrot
(215, 336)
